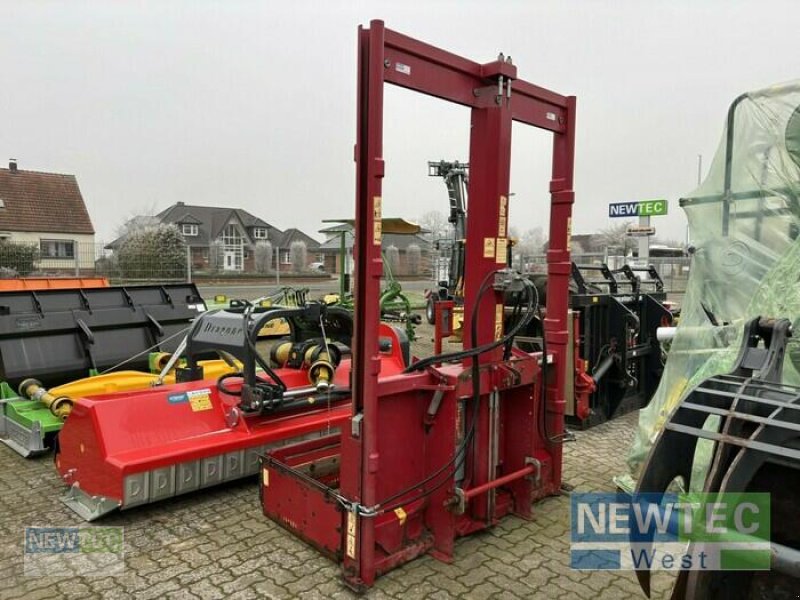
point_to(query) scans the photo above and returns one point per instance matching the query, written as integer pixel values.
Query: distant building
(412, 251)
(46, 210)
(289, 237)
(231, 232)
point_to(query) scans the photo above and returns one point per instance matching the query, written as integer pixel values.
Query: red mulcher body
(452, 444)
(127, 449)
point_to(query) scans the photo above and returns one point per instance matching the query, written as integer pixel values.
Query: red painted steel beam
(369, 268)
(562, 197)
(496, 483)
(418, 66)
(489, 180)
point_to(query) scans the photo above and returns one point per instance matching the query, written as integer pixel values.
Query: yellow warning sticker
(498, 321)
(200, 400)
(401, 514)
(569, 234)
(488, 247)
(502, 251)
(266, 477)
(377, 212)
(502, 221)
(351, 535)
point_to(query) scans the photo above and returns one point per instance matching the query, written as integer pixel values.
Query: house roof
(211, 220)
(401, 241)
(388, 225)
(189, 219)
(47, 202)
(293, 234)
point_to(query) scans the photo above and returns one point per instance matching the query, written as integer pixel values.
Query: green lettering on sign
(652, 208)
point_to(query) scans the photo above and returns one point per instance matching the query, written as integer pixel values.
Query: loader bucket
(59, 335)
(756, 450)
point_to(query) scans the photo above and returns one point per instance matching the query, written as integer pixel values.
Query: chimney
(12, 165)
(180, 203)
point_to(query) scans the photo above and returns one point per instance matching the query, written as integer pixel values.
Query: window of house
(285, 259)
(189, 229)
(233, 247)
(57, 248)
(260, 233)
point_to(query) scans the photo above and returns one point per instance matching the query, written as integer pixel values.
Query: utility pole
(699, 167)
(699, 180)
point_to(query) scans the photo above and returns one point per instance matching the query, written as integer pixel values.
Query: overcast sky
(252, 104)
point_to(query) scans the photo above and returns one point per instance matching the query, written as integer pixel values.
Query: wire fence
(157, 260)
(154, 263)
(70, 258)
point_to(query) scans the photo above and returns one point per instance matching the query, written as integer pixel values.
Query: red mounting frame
(404, 428)
(385, 56)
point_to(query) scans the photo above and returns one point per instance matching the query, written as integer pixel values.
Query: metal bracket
(433, 408)
(88, 507)
(232, 417)
(355, 425)
(458, 502)
(537, 476)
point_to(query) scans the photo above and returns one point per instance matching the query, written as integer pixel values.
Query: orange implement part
(52, 283)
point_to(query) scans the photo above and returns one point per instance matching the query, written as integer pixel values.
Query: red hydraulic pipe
(495, 483)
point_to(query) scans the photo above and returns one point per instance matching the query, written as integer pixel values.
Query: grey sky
(252, 104)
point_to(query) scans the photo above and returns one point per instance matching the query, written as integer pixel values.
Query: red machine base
(301, 483)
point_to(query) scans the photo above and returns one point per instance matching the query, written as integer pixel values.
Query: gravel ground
(217, 543)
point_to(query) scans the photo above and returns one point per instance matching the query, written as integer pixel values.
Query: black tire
(430, 312)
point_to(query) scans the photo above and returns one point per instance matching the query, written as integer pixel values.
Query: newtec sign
(642, 208)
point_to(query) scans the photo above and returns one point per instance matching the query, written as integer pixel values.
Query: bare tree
(615, 237)
(297, 256)
(216, 255)
(414, 259)
(392, 255)
(262, 256)
(528, 245)
(142, 219)
(435, 223)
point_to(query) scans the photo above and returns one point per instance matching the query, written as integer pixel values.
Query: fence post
(277, 265)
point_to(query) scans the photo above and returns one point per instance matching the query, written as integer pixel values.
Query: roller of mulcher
(117, 451)
(756, 448)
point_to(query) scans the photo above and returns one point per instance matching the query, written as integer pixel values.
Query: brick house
(231, 233)
(289, 237)
(46, 210)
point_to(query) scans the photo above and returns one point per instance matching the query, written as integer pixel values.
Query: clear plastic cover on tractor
(744, 222)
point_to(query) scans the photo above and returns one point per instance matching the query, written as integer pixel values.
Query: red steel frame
(385, 56)
(373, 503)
